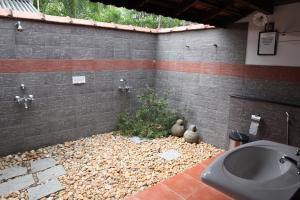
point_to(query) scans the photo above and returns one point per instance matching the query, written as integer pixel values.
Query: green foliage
(84, 9)
(153, 119)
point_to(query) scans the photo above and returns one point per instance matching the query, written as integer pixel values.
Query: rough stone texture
(170, 155)
(199, 45)
(42, 164)
(51, 173)
(12, 172)
(44, 190)
(64, 112)
(207, 99)
(138, 140)
(58, 41)
(273, 124)
(109, 166)
(18, 183)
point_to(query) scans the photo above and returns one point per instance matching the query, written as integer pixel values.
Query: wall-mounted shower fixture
(25, 100)
(19, 27)
(22, 86)
(124, 87)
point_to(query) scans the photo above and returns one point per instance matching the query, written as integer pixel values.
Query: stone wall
(273, 125)
(200, 68)
(44, 57)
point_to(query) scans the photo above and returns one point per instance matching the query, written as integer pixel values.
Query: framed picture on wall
(267, 43)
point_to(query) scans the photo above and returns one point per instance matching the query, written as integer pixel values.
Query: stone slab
(42, 164)
(51, 173)
(12, 172)
(44, 190)
(16, 184)
(138, 140)
(170, 154)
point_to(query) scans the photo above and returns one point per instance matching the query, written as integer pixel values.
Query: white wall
(287, 19)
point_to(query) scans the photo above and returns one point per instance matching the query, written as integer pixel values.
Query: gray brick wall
(273, 124)
(199, 45)
(52, 41)
(63, 111)
(207, 97)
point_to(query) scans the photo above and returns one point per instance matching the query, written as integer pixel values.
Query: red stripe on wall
(52, 65)
(277, 73)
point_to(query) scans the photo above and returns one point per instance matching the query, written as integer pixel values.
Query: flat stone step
(51, 173)
(12, 172)
(42, 164)
(138, 140)
(170, 154)
(44, 190)
(16, 184)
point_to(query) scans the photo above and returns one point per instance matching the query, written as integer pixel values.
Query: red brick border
(55, 65)
(277, 73)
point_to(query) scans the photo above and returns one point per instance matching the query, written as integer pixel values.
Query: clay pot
(178, 128)
(191, 135)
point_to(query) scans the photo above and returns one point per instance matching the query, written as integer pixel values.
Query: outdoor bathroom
(98, 110)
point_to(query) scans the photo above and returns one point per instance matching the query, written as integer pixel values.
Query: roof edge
(8, 13)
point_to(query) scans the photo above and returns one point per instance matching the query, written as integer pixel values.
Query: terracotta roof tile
(58, 19)
(105, 25)
(27, 15)
(5, 12)
(125, 27)
(83, 22)
(68, 20)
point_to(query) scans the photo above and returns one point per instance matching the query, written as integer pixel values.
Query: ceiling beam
(261, 6)
(226, 7)
(143, 3)
(181, 8)
(281, 2)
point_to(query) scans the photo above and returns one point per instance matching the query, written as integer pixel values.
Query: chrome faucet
(285, 158)
(124, 87)
(24, 100)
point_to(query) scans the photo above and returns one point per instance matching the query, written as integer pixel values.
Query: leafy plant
(153, 119)
(85, 9)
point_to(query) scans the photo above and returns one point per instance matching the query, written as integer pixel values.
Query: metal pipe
(287, 127)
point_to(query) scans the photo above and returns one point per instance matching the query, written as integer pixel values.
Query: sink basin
(256, 163)
(253, 171)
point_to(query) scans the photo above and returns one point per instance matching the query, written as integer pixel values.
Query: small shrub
(153, 118)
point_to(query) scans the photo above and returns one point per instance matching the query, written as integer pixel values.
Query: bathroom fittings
(124, 87)
(25, 100)
(254, 125)
(22, 86)
(287, 127)
(285, 158)
(18, 26)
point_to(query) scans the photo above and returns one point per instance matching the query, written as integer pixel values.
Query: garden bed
(108, 166)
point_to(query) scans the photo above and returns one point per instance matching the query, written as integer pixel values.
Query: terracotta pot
(178, 128)
(191, 135)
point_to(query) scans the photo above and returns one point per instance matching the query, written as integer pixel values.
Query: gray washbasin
(253, 171)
